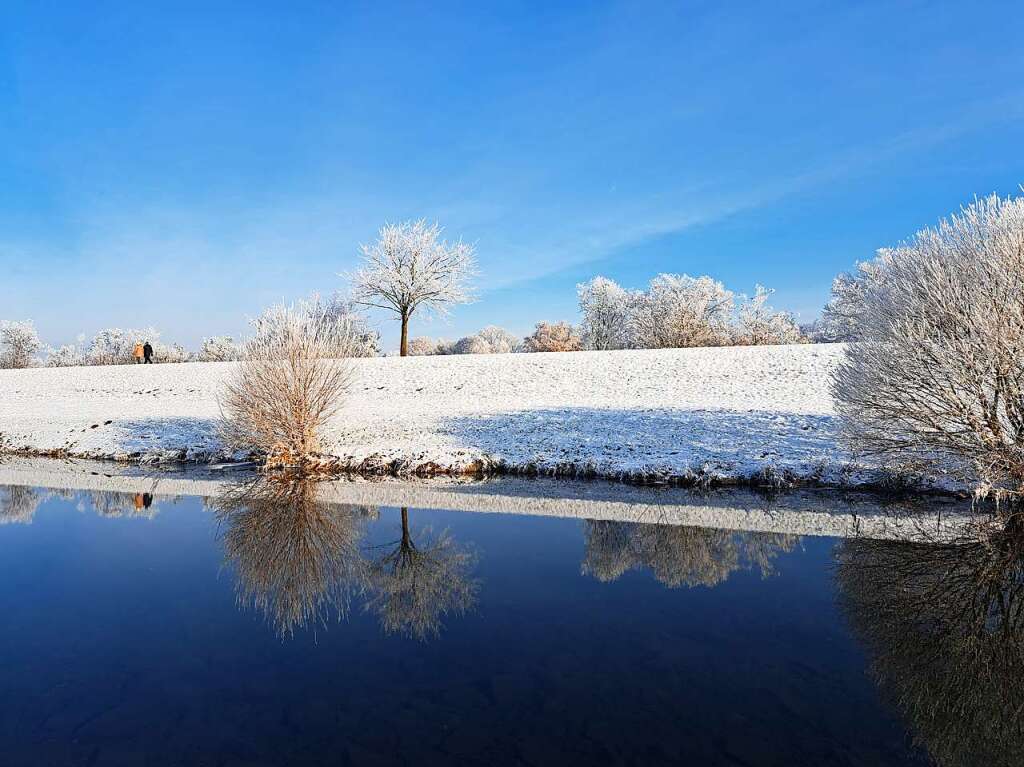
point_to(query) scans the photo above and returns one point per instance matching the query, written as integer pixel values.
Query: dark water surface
(192, 633)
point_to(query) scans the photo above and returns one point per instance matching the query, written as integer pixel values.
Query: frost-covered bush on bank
(937, 377)
(291, 381)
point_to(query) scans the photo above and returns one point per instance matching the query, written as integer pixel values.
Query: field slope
(725, 414)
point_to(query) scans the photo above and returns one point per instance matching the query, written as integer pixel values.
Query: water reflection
(296, 558)
(112, 503)
(301, 560)
(415, 583)
(677, 555)
(18, 504)
(944, 626)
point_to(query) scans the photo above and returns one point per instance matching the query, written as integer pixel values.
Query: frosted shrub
(219, 349)
(292, 380)
(939, 375)
(67, 356)
(681, 311)
(758, 324)
(19, 343)
(553, 337)
(605, 308)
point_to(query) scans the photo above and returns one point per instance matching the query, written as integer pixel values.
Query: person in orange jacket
(138, 352)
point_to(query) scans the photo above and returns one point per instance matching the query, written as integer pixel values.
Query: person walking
(147, 352)
(138, 352)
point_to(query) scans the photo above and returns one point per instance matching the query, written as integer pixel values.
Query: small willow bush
(291, 382)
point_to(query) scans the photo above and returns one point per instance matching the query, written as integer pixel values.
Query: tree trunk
(405, 527)
(403, 350)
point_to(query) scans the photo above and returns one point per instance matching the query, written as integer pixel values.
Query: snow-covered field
(723, 413)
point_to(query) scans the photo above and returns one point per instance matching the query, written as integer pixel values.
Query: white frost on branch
(553, 337)
(219, 349)
(605, 307)
(842, 318)
(681, 311)
(490, 340)
(937, 377)
(19, 343)
(758, 324)
(410, 267)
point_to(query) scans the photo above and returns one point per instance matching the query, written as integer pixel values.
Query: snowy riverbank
(115, 491)
(723, 414)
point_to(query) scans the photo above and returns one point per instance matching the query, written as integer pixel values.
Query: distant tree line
(21, 346)
(676, 311)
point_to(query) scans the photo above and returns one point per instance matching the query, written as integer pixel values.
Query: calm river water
(268, 628)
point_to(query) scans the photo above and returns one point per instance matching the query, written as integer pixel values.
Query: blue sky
(186, 164)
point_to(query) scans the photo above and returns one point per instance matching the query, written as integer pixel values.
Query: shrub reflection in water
(944, 627)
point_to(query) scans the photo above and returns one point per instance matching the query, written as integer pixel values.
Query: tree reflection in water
(677, 555)
(944, 627)
(115, 503)
(299, 560)
(296, 558)
(414, 584)
(18, 503)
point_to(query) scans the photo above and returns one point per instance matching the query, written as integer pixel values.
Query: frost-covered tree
(472, 345)
(758, 324)
(409, 268)
(681, 311)
(365, 340)
(840, 321)
(19, 503)
(605, 307)
(219, 349)
(170, 353)
(113, 346)
(498, 340)
(938, 377)
(67, 356)
(553, 337)
(422, 346)
(19, 343)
